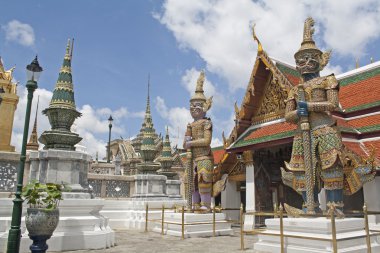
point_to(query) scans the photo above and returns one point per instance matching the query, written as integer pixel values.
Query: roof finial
(68, 49)
(357, 63)
(371, 60)
(148, 97)
(72, 48)
(33, 139)
(38, 102)
(259, 46)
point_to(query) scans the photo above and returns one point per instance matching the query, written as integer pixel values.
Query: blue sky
(119, 43)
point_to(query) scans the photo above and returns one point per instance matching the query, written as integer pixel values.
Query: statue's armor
(309, 105)
(201, 134)
(326, 142)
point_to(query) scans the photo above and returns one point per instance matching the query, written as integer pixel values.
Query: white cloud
(178, 118)
(189, 81)
(92, 124)
(18, 32)
(219, 30)
(216, 142)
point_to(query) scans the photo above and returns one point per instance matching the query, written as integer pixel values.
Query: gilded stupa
(62, 110)
(9, 101)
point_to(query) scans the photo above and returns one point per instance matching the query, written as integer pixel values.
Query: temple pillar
(230, 198)
(371, 198)
(250, 202)
(9, 100)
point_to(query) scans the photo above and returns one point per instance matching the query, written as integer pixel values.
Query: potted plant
(42, 214)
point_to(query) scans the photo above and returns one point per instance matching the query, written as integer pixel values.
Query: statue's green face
(196, 110)
(308, 62)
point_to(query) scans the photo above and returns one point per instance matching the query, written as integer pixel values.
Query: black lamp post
(110, 119)
(33, 73)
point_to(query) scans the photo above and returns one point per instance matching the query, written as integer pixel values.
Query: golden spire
(259, 46)
(308, 44)
(357, 63)
(33, 140)
(199, 93)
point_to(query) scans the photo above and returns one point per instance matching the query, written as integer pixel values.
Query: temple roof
(218, 153)
(364, 81)
(259, 126)
(354, 127)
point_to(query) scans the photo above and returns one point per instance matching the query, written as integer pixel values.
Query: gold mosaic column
(7, 108)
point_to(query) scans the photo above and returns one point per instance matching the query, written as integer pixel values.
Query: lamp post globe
(110, 119)
(14, 236)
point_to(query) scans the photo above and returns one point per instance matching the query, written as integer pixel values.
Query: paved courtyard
(140, 242)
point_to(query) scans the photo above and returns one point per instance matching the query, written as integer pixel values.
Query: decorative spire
(199, 93)
(166, 158)
(63, 95)
(62, 110)
(148, 133)
(148, 97)
(308, 45)
(33, 140)
(166, 154)
(148, 115)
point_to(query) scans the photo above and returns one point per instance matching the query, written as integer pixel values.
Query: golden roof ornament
(6, 75)
(259, 46)
(308, 45)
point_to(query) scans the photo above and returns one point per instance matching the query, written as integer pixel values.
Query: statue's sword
(190, 173)
(307, 152)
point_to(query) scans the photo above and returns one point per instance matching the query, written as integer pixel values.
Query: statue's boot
(334, 198)
(196, 200)
(205, 201)
(287, 177)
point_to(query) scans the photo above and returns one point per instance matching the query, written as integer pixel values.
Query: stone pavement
(139, 242)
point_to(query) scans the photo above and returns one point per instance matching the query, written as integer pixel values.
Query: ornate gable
(273, 103)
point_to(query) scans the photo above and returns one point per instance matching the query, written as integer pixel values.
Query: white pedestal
(317, 228)
(203, 230)
(80, 227)
(130, 214)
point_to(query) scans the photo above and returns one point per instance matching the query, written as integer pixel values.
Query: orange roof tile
(362, 92)
(218, 155)
(293, 79)
(365, 121)
(271, 130)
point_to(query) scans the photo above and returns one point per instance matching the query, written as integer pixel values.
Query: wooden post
(282, 228)
(333, 229)
(183, 222)
(146, 217)
(162, 219)
(241, 227)
(368, 238)
(213, 221)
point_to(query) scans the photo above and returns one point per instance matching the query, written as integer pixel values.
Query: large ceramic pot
(41, 224)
